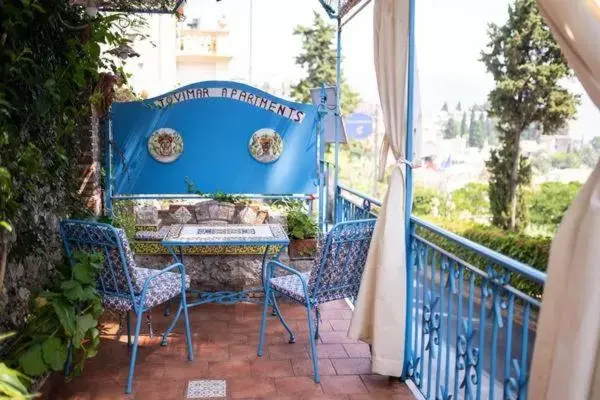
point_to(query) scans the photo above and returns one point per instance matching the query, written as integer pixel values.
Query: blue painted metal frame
(99, 236)
(456, 350)
(344, 234)
(409, 176)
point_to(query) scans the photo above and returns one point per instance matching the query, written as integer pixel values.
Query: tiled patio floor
(225, 339)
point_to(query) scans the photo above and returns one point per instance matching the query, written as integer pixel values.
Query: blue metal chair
(336, 274)
(123, 285)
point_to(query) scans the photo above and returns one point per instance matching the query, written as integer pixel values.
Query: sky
(450, 36)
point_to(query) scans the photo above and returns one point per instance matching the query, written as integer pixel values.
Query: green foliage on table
(318, 57)
(218, 196)
(528, 68)
(67, 312)
(301, 224)
(550, 202)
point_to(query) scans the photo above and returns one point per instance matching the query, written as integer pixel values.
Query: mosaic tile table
(182, 237)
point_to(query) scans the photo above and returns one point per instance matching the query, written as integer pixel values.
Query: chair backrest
(118, 277)
(341, 260)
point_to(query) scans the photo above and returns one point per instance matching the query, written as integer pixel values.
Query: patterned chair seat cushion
(290, 285)
(161, 289)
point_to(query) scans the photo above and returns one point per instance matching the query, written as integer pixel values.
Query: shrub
(424, 200)
(472, 198)
(550, 202)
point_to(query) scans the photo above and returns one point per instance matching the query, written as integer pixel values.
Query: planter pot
(302, 248)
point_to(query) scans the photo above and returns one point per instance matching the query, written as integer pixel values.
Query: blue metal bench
(123, 285)
(336, 274)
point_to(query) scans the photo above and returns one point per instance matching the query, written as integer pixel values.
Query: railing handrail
(511, 264)
(360, 194)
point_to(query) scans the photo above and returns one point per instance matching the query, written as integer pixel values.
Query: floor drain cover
(206, 389)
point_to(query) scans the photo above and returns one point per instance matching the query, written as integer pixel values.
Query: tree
(527, 66)
(458, 106)
(318, 57)
(550, 202)
(472, 198)
(450, 130)
(463, 125)
(445, 107)
(589, 156)
(563, 160)
(595, 142)
(476, 133)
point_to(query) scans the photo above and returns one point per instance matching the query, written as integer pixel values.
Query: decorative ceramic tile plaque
(165, 145)
(266, 145)
(206, 389)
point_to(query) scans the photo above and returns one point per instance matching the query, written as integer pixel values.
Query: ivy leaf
(72, 289)
(55, 353)
(12, 382)
(66, 315)
(83, 273)
(84, 323)
(32, 361)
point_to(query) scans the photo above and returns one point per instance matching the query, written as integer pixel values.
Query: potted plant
(302, 229)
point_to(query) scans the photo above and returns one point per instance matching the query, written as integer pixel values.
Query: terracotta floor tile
(352, 366)
(335, 305)
(271, 368)
(357, 350)
(228, 369)
(286, 351)
(305, 367)
(348, 384)
(328, 351)
(336, 314)
(211, 352)
(225, 347)
(243, 352)
(297, 385)
(241, 388)
(383, 384)
(340, 324)
(336, 337)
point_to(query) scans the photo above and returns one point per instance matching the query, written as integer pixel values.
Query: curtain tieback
(402, 160)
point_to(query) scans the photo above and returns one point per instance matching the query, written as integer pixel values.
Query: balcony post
(409, 184)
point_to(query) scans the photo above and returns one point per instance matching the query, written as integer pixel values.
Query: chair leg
(188, 334)
(318, 319)
(128, 329)
(172, 325)
(149, 322)
(167, 308)
(263, 323)
(313, 347)
(138, 325)
(279, 315)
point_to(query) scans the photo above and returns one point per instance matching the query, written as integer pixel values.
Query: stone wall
(212, 272)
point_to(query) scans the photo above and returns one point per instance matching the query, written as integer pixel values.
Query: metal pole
(337, 111)
(409, 179)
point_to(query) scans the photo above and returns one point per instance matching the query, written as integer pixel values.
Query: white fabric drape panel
(380, 309)
(566, 359)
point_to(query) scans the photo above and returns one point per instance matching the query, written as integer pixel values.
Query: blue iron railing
(472, 322)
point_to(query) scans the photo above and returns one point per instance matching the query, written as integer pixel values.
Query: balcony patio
(225, 341)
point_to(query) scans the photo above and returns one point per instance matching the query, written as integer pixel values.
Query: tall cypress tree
(463, 125)
(318, 57)
(527, 66)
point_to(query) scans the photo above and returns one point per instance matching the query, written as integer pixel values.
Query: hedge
(530, 250)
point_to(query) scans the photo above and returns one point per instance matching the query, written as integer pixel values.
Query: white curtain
(566, 358)
(380, 309)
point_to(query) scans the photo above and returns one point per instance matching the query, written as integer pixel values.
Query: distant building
(202, 52)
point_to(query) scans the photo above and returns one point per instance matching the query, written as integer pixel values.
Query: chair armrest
(171, 267)
(288, 269)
